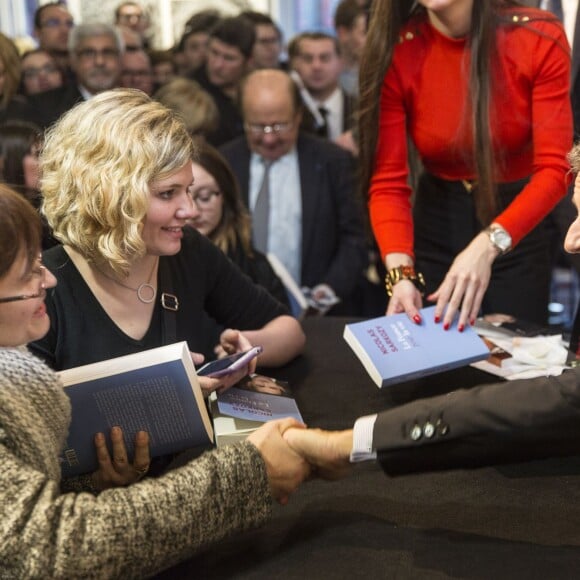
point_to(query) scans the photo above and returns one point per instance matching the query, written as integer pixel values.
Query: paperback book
(155, 391)
(241, 410)
(394, 349)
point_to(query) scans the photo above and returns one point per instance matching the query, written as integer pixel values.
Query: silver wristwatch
(500, 238)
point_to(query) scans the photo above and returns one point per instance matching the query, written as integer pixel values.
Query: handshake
(292, 453)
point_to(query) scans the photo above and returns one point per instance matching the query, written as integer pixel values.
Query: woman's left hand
(231, 342)
(118, 470)
(465, 283)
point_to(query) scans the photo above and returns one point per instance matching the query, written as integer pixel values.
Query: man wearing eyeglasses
(52, 25)
(95, 52)
(313, 223)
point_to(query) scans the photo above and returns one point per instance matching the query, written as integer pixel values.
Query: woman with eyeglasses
(40, 72)
(127, 532)
(223, 218)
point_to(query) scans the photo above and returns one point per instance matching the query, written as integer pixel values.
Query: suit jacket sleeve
(499, 423)
(348, 260)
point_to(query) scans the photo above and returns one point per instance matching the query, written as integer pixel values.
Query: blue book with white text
(394, 349)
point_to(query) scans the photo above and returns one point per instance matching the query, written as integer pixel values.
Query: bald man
(313, 224)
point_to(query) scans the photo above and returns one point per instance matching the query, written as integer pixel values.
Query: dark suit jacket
(498, 423)
(50, 105)
(333, 244)
(348, 121)
(230, 124)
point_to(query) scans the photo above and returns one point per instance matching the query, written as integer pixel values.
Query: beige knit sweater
(128, 532)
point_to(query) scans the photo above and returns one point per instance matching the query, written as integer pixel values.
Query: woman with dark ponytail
(480, 90)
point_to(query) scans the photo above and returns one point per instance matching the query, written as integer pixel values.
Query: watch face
(501, 239)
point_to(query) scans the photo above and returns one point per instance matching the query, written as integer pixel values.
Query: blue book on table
(394, 349)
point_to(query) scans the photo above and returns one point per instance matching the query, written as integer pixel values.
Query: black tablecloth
(516, 521)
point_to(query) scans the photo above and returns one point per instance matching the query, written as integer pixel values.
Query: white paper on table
(537, 356)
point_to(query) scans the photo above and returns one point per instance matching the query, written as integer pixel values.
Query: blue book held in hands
(394, 349)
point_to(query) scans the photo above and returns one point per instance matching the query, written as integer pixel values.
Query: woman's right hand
(208, 384)
(406, 298)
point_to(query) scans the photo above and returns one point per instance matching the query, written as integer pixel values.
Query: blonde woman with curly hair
(117, 184)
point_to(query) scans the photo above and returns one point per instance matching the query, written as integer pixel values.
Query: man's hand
(328, 452)
(285, 468)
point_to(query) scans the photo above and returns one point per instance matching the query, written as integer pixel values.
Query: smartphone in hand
(229, 364)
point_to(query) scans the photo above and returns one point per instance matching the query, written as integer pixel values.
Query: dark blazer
(230, 123)
(497, 423)
(333, 244)
(348, 120)
(50, 105)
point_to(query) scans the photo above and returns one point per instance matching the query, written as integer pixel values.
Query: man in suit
(316, 57)
(490, 424)
(95, 53)
(313, 223)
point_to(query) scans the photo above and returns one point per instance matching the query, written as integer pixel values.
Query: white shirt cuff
(362, 439)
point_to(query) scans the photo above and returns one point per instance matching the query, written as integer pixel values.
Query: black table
(516, 521)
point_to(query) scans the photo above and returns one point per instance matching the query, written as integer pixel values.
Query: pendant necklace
(145, 292)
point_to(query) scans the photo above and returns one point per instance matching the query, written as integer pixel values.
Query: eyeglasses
(56, 22)
(91, 53)
(203, 197)
(32, 73)
(276, 128)
(39, 271)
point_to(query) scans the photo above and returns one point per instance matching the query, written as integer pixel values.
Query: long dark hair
(387, 19)
(235, 224)
(17, 139)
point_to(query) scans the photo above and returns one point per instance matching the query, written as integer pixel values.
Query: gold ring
(141, 471)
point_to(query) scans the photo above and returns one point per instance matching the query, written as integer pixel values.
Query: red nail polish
(461, 328)
(417, 319)
(472, 322)
(446, 326)
(437, 319)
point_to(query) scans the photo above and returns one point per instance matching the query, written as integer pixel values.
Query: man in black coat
(314, 223)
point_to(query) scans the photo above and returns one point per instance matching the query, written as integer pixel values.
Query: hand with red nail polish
(446, 326)
(461, 328)
(417, 319)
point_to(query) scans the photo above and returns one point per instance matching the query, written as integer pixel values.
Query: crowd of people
(425, 143)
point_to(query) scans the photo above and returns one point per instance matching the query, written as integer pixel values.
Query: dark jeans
(446, 222)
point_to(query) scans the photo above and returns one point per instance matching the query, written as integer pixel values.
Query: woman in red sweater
(481, 90)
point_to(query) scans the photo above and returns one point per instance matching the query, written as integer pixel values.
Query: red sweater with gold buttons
(425, 96)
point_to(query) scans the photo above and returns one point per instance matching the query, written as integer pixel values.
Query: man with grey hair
(95, 55)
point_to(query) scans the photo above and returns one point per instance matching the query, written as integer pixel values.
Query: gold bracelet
(399, 273)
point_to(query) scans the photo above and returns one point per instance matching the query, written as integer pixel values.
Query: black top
(231, 124)
(204, 281)
(260, 271)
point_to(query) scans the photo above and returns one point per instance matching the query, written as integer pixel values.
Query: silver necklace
(146, 292)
